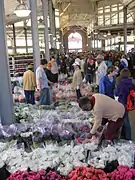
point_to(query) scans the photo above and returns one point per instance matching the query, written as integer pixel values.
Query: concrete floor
(132, 121)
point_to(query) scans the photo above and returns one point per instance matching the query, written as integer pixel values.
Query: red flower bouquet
(87, 173)
(40, 175)
(123, 173)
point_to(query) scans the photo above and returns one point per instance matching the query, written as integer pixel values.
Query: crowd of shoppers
(109, 71)
(46, 74)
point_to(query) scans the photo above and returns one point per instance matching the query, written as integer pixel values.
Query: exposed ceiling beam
(66, 8)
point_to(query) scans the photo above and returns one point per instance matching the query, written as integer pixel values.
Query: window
(130, 17)
(106, 42)
(56, 12)
(99, 44)
(114, 18)
(57, 22)
(100, 10)
(107, 9)
(19, 24)
(48, 19)
(114, 7)
(29, 41)
(113, 40)
(119, 39)
(121, 16)
(29, 22)
(10, 51)
(9, 43)
(93, 44)
(107, 19)
(120, 7)
(20, 41)
(75, 41)
(100, 20)
(21, 50)
(58, 45)
(130, 38)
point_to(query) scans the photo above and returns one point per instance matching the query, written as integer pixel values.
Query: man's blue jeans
(29, 96)
(89, 78)
(45, 97)
(127, 127)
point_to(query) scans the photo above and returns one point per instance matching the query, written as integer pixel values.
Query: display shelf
(18, 63)
(11, 66)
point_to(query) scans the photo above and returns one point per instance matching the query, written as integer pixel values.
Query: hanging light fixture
(109, 33)
(132, 34)
(95, 32)
(105, 35)
(22, 10)
(119, 37)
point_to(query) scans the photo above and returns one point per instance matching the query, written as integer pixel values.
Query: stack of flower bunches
(123, 173)
(40, 175)
(87, 173)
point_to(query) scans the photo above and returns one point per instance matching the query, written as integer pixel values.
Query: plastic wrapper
(65, 91)
(121, 151)
(63, 157)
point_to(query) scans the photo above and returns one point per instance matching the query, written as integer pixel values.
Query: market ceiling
(10, 6)
(72, 12)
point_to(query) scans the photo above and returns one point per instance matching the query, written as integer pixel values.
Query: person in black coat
(48, 72)
(63, 66)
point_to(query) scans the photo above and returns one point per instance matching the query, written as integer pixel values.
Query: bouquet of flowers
(42, 175)
(123, 173)
(87, 173)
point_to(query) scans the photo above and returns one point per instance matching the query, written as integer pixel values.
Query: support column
(103, 44)
(14, 40)
(134, 31)
(89, 44)
(54, 27)
(134, 44)
(65, 42)
(125, 29)
(94, 42)
(26, 39)
(61, 39)
(97, 41)
(51, 23)
(26, 36)
(35, 37)
(110, 43)
(45, 14)
(6, 101)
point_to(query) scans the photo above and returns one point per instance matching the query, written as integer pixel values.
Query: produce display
(42, 145)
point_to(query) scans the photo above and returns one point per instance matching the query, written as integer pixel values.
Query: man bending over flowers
(106, 110)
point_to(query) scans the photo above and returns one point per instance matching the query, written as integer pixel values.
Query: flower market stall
(60, 91)
(43, 145)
